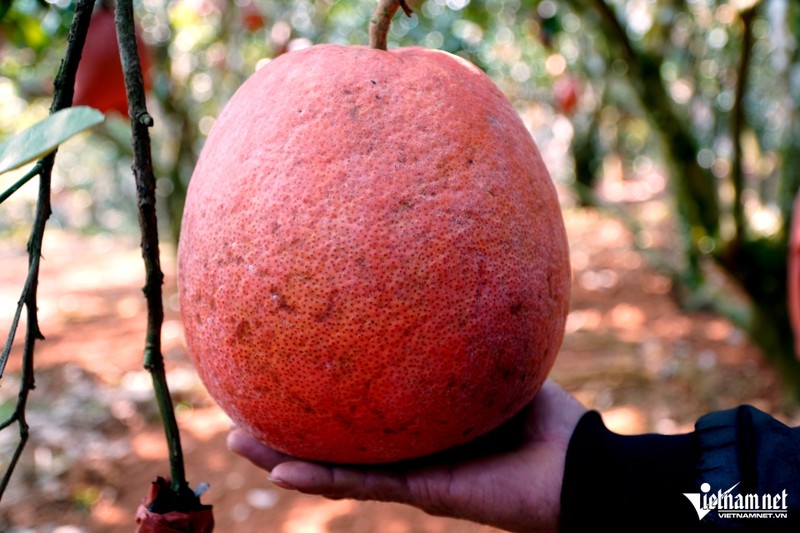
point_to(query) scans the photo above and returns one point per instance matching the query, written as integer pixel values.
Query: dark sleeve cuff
(745, 451)
(627, 483)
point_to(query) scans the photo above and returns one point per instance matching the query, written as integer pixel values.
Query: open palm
(510, 478)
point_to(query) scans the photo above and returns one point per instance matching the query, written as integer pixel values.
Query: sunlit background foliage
(679, 116)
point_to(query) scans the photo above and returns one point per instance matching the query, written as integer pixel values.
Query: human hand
(510, 478)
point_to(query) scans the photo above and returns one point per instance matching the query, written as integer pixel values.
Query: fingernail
(280, 482)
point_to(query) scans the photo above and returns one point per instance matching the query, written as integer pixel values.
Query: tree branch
(695, 188)
(738, 122)
(790, 154)
(618, 32)
(148, 224)
(62, 98)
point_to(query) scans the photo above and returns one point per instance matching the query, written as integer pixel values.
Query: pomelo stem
(381, 18)
(148, 224)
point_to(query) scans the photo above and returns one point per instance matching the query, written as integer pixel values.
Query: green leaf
(45, 136)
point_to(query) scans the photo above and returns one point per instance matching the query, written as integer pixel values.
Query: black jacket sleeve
(679, 482)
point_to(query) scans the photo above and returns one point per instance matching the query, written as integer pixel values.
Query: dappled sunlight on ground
(634, 355)
(203, 423)
(315, 517)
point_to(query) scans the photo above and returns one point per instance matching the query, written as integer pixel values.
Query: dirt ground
(96, 441)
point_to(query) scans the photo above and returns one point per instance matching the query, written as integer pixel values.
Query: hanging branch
(62, 98)
(148, 224)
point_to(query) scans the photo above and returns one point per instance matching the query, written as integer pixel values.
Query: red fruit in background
(373, 264)
(565, 94)
(252, 18)
(99, 82)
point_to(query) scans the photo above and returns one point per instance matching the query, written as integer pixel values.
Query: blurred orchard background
(671, 129)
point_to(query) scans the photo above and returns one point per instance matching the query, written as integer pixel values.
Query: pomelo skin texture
(373, 264)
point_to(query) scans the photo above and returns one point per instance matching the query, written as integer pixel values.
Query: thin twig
(35, 171)
(148, 224)
(62, 98)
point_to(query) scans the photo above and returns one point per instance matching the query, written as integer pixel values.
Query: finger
(261, 455)
(330, 481)
(344, 482)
